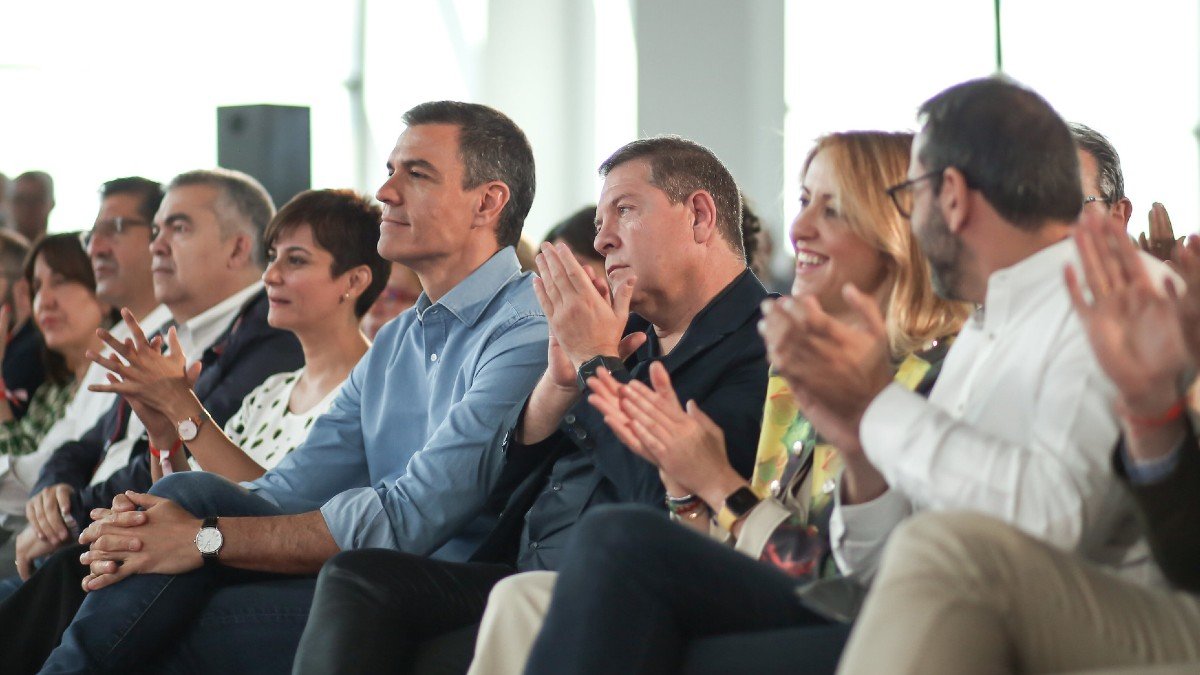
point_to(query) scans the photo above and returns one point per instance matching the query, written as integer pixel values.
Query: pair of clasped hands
(141, 533)
(808, 347)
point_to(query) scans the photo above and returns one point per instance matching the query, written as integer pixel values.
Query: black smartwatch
(588, 368)
(736, 506)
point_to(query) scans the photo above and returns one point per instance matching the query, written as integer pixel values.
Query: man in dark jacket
(207, 261)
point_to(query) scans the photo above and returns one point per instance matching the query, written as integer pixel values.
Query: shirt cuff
(356, 519)
(1145, 472)
(894, 408)
(857, 532)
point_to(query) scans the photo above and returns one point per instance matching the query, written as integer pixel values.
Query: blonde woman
(641, 590)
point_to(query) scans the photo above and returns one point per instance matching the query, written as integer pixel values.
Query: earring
(344, 298)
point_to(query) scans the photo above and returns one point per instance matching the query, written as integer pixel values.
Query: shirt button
(557, 487)
(828, 486)
(797, 447)
(775, 488)
(569, 418)
(433, 357)
(533, 544)
(580, 433)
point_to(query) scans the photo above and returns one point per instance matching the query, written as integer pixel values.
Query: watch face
(741, 501)
(209, 540)
(187, 430)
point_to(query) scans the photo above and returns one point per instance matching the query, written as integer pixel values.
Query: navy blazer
(247, 353)
(1169, 509)
(720, 362)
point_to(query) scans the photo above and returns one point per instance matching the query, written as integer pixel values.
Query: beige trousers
(962, 593)
(515, 611)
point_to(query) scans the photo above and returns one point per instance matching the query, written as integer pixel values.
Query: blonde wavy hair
(865, 164)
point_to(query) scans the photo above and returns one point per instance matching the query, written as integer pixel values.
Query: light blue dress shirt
(413, 443)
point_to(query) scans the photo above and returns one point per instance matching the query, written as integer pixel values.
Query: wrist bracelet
(690, 510)
(1173, 413)
(685, 499)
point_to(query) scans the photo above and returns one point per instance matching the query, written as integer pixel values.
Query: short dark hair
(148, 191)
(344, 223)
(751, 229)
(679, 168)
(1009, 144)
(240, 192)
(492, 147)
(578, 230)
(1109, 177)
(64, 254)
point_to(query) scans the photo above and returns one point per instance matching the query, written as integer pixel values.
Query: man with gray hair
(206, 264)
(31, 201)
(1100, 176)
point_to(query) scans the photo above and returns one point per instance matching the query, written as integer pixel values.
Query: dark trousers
(374, 609)
(33, 618)
(636, 591)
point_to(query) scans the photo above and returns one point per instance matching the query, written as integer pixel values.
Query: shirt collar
(1026, 280)
(472, 295)
(202, 330)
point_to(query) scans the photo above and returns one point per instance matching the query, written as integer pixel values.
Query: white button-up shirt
(1019, 426)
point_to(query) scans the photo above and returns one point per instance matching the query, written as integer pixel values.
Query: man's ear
(493, 197)
(242, 253)
(1123, 209)
(704, 216)
(954, 199)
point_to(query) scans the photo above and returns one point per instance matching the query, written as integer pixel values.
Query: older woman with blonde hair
(637, 593)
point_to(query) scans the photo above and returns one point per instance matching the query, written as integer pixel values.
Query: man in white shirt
(1020, 424)
(119, 247)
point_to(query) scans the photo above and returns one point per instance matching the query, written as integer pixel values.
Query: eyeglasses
(1093, 198)
(902, 194)
(113, 228)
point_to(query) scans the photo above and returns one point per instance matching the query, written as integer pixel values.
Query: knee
(960, 545)
(618, 527)
(523, 593)
(191, 490)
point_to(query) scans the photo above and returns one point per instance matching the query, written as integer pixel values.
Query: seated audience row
(931, 358)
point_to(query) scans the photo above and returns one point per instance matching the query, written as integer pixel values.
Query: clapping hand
(684, 443)
(1162, 236)
(1135, 331)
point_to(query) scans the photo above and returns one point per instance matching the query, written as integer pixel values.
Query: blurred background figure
(30, 203)
(22, 367)
(578, 231)
(3, 200)
(402, 290)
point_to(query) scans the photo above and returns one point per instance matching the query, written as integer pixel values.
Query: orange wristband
(174, 448)
(1173, 413)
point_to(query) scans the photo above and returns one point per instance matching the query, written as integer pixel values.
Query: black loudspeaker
(269, 142)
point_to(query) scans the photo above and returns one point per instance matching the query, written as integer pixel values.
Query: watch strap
(737, 506)
(588, 368)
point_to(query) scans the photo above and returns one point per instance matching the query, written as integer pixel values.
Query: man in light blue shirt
(406, 458)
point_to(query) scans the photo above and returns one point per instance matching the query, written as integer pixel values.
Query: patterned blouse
(265, 428)
(22, 436)
(796, 472)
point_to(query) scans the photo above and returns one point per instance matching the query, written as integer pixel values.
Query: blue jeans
(213, 619)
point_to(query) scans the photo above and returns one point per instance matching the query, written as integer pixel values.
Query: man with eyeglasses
(119, 247)
(1020, 424)
(206, 265)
